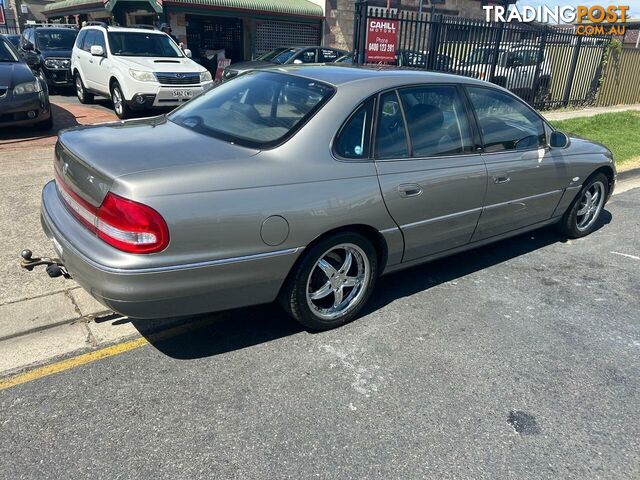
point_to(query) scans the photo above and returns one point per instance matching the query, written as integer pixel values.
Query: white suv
(135, 67)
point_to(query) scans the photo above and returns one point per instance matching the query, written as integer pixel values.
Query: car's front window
(133, 44)
(258, 109)
(7, 54)
(61, 39)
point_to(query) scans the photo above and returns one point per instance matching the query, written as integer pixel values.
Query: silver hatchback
(306, 183)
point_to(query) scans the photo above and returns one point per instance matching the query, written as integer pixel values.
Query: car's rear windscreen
(257, 109)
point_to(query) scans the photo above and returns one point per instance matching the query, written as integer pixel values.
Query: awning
(74, 6)
(288, 7)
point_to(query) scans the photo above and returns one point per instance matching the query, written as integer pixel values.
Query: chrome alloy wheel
(79, 87)
(590, 206)
(118, 101)
(338, 281)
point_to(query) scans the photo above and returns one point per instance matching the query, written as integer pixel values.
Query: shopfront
(238, 29)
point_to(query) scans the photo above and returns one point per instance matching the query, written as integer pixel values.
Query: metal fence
(546, 67)
(10, 27)
(620, 84)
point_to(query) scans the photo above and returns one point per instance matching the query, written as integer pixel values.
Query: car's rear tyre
(581, 218)
(84, 96)
(119, 103)
(332, 283)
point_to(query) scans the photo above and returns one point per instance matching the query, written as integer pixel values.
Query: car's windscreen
(60, 39)
(258, 109)
(267, 57)
(7, 53)
(133, 44)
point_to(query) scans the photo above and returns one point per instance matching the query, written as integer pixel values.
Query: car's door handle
(90, 61)
(409, 189)
(501, 179)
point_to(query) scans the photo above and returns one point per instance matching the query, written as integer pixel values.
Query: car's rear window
(258, 109)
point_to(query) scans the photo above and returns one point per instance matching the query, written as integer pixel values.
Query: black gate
(216, 33)
(547, 67)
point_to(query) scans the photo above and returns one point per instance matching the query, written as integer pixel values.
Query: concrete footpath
(586, 112)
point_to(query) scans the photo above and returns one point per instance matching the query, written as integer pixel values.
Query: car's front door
(432, 178)
(525, 178)
(96, 69)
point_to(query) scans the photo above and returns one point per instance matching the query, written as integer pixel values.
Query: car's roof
(340, 74)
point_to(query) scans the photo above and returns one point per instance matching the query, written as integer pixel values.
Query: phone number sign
(382, 38)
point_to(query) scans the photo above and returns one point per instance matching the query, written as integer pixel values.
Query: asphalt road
(518, 360)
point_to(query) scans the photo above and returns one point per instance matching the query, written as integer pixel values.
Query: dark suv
(47, 50)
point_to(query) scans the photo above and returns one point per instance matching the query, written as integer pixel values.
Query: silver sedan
(305, 184)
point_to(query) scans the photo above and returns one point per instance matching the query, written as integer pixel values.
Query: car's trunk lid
(89, 159)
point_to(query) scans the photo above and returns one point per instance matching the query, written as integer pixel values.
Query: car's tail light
(124, 224)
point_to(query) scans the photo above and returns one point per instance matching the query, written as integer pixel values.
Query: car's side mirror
(187, 53)
(97, 51)
(28, 47)
(558, 139)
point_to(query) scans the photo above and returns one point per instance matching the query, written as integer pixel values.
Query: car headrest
(424, 115)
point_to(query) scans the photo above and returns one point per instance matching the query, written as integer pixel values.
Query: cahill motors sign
(589, 20)
(382, 38)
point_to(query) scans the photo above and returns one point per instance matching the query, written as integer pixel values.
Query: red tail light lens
(124, 224)
(131, 226)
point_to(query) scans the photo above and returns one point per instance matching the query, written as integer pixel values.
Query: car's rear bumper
(157, 292)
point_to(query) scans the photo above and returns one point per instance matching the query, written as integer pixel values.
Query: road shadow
(223, 332)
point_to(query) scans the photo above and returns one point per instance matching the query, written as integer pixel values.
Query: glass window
(505, 122)
(129, 44)
(283, 56)
(89, 40)
(437, 121)
(7, 53)
(80, 39)
(327, 55)
(55, 38)
(353, 139)
(308, 56)
(391, 136)
(99, 40)
(257, 109)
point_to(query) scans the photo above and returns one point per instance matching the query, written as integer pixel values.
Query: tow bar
(55, 267)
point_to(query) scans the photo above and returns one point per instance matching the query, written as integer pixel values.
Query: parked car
(24, 99)
(137, 68)
(415, 59)
(305, 184)
(286, 56)
(47, 50)
(522, 69)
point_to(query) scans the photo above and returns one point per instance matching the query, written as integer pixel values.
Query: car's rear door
(83, 55)
(525, 180)
(432, 178)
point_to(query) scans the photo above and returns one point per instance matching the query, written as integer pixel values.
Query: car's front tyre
(83, 95)
(119, 103)
(331, 284)
(581, 218)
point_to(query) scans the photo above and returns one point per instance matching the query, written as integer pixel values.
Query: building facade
(245, 29)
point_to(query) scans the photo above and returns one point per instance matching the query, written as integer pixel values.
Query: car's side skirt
(469, 246)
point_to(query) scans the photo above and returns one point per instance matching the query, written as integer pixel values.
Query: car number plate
(182, 93)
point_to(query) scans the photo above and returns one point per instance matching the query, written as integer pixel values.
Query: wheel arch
(608, 171)
(370, 233)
